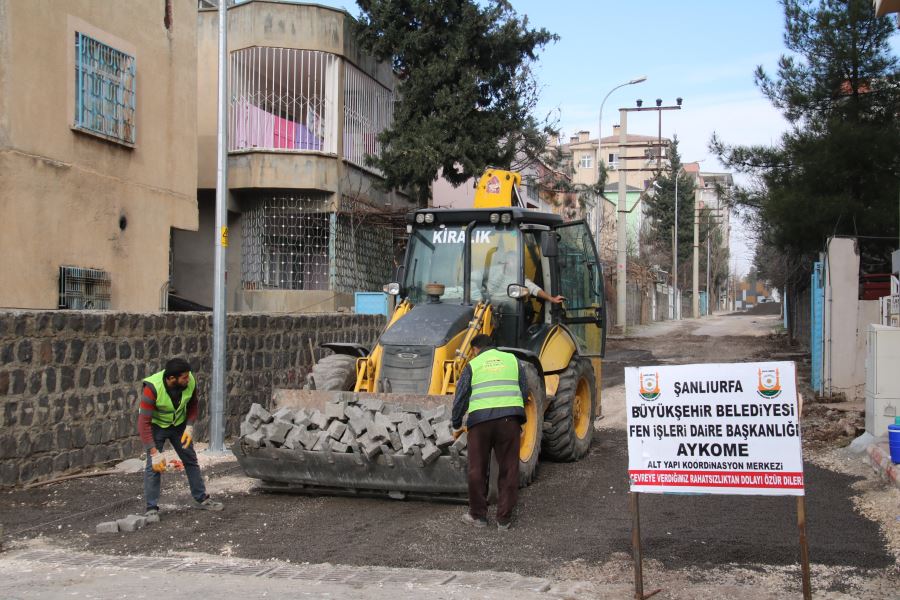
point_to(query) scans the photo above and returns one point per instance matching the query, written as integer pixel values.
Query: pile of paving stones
(368, 427)
(129, 523)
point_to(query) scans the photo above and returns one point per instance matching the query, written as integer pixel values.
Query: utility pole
(695, 301)
(621, 229)
(621, 221)
(217, 387)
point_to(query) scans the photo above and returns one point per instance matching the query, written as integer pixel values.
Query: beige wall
(64, 192)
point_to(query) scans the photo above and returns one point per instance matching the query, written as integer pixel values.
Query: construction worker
(491, 389)
(168, 409)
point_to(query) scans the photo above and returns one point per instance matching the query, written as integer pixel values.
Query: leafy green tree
(466, 93)
(837, 170)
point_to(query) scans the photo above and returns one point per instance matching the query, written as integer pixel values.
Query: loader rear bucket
(353, 473)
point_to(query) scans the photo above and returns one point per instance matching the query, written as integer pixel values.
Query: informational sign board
(714, 429)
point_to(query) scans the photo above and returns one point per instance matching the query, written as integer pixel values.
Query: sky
(703, 51)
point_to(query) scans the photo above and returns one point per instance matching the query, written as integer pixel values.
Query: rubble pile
(368, 426)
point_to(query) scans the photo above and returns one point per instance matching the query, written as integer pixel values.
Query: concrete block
(339, 447)
(373, 404)
(308, 438)
(276, 431)
(460, 443)
(318, 419)
(258, 415)
(412, 439)
(348, 435)
(396, 417)
(369, 447)
(152, 517)
(396, 442)
(247, 428)
(382, 421)
(360, 424)
(108, 527)
(443, 434)
(321, 440)
(430, 453)
(336, 429)
(427, 429)
(131, 523)
(438, 413)
(292, 441)
(285, 414)
(378, 433)
(301, 417)
(353, 412)
(255, 439)
(334, 409)
(409, 423)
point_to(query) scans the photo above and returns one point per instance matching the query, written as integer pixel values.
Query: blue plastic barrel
(894, 441)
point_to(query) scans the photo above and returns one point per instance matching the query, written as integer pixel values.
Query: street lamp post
(599, 207)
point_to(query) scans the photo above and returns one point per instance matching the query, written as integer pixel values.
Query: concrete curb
(879, 456)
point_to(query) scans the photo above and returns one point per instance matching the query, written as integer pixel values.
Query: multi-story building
(308, 224)
(98, 126)
(644, 156)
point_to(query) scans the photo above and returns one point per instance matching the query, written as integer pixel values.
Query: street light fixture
(598, 209)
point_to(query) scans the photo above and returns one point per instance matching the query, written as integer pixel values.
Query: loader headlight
(392, 288)
(514, 290)
(408, 228)
(429, 218)
(495, 218)
(420, 218)
(505, 218)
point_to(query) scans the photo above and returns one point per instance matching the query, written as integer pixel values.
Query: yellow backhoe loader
(466, 272)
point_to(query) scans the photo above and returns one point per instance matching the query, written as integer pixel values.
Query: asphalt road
(573, 514)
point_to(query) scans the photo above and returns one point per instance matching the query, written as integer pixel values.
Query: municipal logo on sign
(649, 386)
(769, 386)
(493, 185)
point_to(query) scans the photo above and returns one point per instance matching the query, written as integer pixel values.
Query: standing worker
(168, 409)
(492, 390)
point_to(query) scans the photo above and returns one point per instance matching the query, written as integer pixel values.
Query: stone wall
(69, 380)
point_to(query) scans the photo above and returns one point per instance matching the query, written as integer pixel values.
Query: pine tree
(837, 170)
(466, 92)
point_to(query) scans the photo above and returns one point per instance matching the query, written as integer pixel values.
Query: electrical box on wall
(882, 378)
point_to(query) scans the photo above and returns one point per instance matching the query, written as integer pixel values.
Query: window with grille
(283, 99)
(368, 111)
(104, 90)
(84, 289)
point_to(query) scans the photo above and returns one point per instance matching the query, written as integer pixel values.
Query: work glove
(458, 432)
(159, 461)
(187, 437)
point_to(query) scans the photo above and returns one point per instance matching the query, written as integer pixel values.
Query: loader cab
(478, 254)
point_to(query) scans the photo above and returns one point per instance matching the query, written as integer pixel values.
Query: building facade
(308, 224)
(98, 126)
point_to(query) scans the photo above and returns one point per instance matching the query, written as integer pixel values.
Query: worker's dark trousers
(188, 458)
(502, 436)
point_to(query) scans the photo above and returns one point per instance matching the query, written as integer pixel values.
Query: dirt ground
(572, 523)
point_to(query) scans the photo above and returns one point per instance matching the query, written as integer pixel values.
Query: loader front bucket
(397, 475)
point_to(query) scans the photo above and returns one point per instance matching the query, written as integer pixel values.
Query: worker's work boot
(209, 504)
(504, 526)
(470, 520)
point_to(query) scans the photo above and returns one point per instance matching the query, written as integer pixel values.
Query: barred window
(104, 90)
(283, 99)
(368, 111)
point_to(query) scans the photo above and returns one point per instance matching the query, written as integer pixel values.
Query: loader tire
(532, 431)
(569, 420)
(335, 372)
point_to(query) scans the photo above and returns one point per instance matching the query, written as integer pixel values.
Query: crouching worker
(168, 410)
